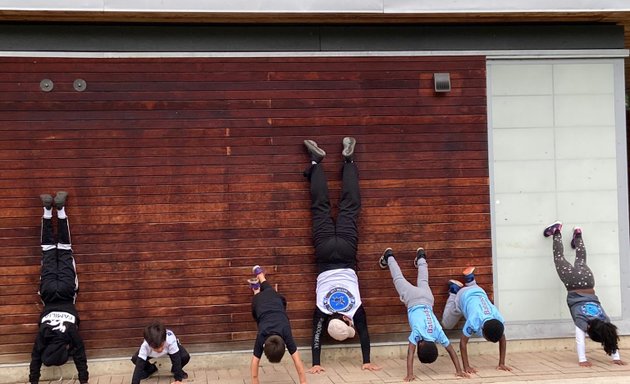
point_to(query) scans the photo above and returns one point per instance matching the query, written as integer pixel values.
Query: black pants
(578, 275)
(150, 368)
(335, 245)
(58, 281)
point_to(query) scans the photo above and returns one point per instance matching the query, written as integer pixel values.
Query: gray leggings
(410, 294)
(578, 275)
(452, 312)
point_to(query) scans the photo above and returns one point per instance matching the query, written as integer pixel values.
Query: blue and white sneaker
(254, 284)
(257, 270)
(454, 286)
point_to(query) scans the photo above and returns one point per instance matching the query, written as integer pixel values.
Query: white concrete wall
(319, 6)
(554, 156)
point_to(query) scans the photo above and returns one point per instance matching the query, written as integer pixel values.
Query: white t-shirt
(338, 292)
(170, 348)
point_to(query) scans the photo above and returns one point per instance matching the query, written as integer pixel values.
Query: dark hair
(56, 349)
(604, 333)
(55, 354)
(493, 330)
(336, 315)
(274, 348)
(155, 334)
(427, 352)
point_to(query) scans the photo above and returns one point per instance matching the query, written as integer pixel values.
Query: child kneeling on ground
(159, 341)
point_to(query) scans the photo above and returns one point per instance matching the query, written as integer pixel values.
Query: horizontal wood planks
(183, 173)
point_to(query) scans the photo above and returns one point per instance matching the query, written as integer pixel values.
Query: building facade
(178, 133)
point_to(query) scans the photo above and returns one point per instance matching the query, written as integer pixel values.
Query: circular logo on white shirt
(339, 300)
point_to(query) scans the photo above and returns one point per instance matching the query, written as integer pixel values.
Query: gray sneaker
(317, 154)
(348, 148)
(46, 201)
(60, 199)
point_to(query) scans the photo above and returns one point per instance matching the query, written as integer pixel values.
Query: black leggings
(335, 245)
(577, 276)
(58, 280)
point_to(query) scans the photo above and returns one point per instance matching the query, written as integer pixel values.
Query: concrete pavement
(533, 361)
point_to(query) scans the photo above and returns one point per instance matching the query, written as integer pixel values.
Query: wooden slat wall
(183, 173)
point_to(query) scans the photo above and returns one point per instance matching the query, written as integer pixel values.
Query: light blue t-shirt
(477, 309)
(424, 325)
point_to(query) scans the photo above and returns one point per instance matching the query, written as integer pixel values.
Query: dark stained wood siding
(183, 173)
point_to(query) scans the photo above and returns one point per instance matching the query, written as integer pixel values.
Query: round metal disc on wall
(79, 85)
(46, 85)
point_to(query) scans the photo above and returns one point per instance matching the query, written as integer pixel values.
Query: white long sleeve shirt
(580, 338)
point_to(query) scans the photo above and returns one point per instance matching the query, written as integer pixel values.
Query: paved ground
(538, 367)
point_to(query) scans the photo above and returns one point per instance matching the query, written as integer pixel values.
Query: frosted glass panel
(522, 111)
(519, 80)
(580, 142)
(593, 78)
(584, 110)
(523, 144)
(553, 157)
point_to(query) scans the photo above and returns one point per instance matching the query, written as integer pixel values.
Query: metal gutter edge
(507, 54)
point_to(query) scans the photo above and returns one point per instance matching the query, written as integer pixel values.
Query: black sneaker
(46, 201)
(60, 199)
(420, 254)
(577, 233)
(317, 154)
(382, 262)
(348, 148)
(552, 229)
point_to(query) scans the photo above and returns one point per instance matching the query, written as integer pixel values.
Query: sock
(47, 213)
(61, 213)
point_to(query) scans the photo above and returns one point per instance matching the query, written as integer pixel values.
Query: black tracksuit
(336, 244)
(59, 321)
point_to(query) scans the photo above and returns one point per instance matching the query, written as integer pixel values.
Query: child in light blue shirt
(425, 328)
(482, 317)
(478, 309)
